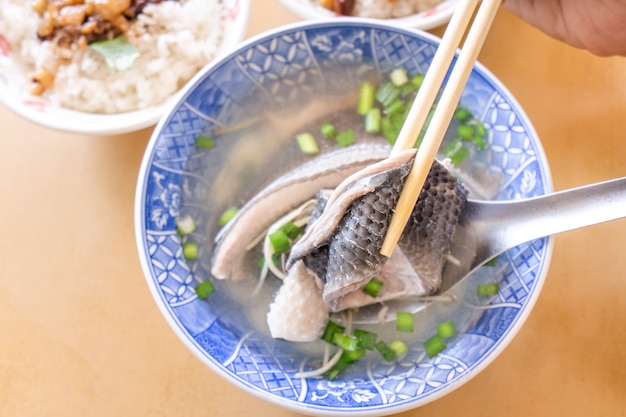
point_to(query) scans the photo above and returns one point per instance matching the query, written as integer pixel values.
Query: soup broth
(255, 149)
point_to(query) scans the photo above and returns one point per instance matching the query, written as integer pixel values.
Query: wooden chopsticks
(445, 108)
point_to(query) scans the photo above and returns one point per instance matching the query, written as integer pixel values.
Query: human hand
(596, 25)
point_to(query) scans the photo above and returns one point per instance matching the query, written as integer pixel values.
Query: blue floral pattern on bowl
(278, 69)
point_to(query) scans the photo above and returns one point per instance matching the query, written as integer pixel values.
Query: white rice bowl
(174, 39)
(416, 14)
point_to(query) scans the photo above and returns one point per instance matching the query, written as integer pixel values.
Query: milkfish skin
(282, 195)
(353, 226)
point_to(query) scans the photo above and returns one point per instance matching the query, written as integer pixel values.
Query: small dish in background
(425, 20)
(15, 85)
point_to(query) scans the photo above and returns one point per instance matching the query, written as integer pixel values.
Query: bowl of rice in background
(418, 14)
(79, 88)
(235, 128)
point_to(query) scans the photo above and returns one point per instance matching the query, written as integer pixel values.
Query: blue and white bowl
(271, 72)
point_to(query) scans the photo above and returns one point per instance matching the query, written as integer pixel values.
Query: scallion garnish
(307, 144)
(366, 98)
(291, 230)
(417, 80)
(465, 132)
(227, 215)
(205, 288)
(330, 330)
(399, 77)
(346, 138)
(491, 288)
(367, 340)
(398, 347)
(205, 142)
(434, 345)
(185, 225)
(190, 250)
(345, 342)
(328, 130)
(387, 93)
(373, 287)
(280, 242)
(347, 359)
(372, 120)
(446, 329)
(462, 115)
(387, 353)
(492, 262)
(404, 321)
(456, 151)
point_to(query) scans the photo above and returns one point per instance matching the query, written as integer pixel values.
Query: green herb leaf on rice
(118, 53)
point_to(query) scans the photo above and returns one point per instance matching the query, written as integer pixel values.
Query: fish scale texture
(428, 234)
(354, 250)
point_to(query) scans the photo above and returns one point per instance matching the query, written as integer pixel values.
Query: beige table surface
(81, 335)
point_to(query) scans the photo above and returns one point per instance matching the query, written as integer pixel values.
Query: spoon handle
(503, 225)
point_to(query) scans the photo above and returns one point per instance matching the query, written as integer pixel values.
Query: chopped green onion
(205, 288)
(446, 329)
(456, 151)
(345, 342)
(204, 142)
(367, 340)
(330, 330)
(291, 230)
(492, 262)
(462, 115)
(346, 138)
(480, 128)
(346, 360)
(417, 80)
(479, 142)
(372, 120)
(190, 250)
(387, 93)
(387, 353)
(399, 77)
(434, 345)
(373, 287)
(465, 132)
(366, 98)
(337, 369)
(185, 225)
(328, 130)
(390, 131)
(227, 216)
(398, 347)
(280, 241)
(404, 321)
(352, 356)
(491, 288)
(395, 106)
(307, 143)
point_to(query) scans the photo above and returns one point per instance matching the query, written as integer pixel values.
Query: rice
(174, 38)
(387, 9)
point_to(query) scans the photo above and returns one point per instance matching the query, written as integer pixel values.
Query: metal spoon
(488, 228)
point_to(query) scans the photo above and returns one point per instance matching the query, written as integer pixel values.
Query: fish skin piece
(427, 237)
(280, 196)
(354, 224)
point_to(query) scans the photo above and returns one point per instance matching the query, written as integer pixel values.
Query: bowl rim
(309, 409)
(424, 20)
(124, 122)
